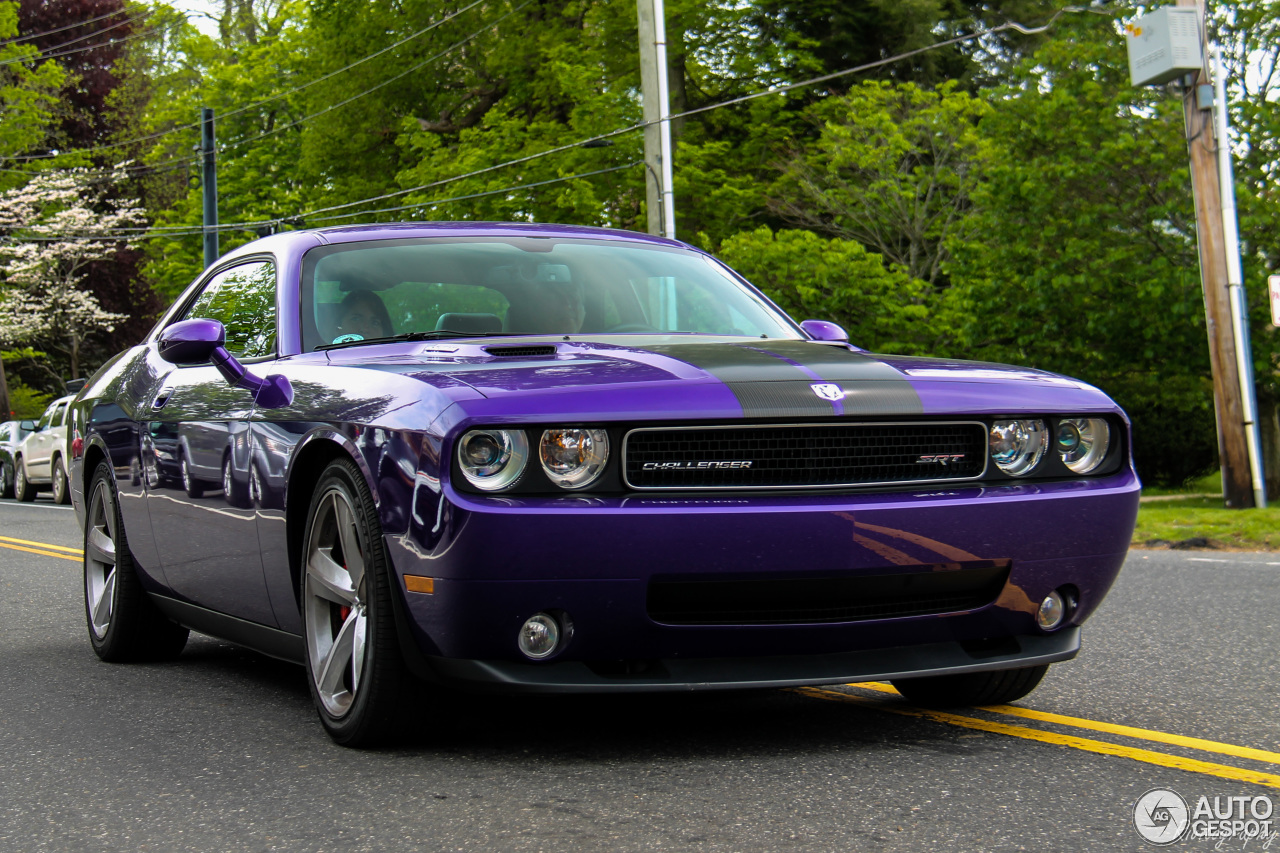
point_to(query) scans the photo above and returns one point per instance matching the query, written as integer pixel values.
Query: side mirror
(27, 426)
(202, 342)
(191, 341)
(822, 330)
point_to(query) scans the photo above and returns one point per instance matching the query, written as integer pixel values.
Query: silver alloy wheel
(187, 479)
(59, 483)
(334, 598)
(226, 477)
(100, 560)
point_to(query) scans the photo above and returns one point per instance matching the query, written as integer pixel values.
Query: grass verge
(1197, 522)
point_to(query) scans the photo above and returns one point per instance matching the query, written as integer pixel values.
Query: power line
(275, 97)
(311, 215)
(439, 201)
(177, 231)
(776, 90)
(109, 43)
(99, 32)
(331, 107)
(30, 36)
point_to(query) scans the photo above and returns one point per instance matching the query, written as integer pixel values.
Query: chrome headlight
(1017, 445)
(573, 457)
(1082, 443)
(493, 459)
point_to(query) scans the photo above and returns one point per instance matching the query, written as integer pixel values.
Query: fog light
(539, 636)
(1052, 612)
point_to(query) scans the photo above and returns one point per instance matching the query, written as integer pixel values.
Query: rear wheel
(123, 623)
(972, 688)
(357, 676)
(236, 494)
(61, 488)
(22, 489)
(190, 484)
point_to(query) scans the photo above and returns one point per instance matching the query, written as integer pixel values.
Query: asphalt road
(221, 749)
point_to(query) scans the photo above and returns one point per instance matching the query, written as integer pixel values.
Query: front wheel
(6, 481)
(357, 676)
(123, 623)
(61, 486)
(995, 687)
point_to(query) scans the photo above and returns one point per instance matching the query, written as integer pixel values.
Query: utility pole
(1233, 445)
(1235, 281)
(659, 195)
(209, 186)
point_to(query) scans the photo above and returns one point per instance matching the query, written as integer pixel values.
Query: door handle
(162, 398)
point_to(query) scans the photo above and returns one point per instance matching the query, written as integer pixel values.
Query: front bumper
(496, 561)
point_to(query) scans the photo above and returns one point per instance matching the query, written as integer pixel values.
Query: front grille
(521, 352)
(946, 588)
(799, 456)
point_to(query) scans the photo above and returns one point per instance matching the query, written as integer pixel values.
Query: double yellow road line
(994, 726)
(1148, 756)
(42, 548)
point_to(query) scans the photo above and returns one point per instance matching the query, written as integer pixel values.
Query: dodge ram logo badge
(828, 391)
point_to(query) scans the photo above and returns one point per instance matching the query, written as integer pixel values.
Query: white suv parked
(39, 464)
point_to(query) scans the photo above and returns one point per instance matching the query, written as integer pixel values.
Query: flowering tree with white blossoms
(51, 230)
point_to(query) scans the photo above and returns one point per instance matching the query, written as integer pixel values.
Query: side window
(243, 299)
(45, 419)
(58, 413)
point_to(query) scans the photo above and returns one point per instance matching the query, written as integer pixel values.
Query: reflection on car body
(572, 459)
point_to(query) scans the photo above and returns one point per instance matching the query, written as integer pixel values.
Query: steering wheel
(631, 327)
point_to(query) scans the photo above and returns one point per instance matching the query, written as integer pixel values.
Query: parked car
(548, 459)
(11, 435)
(40, 462)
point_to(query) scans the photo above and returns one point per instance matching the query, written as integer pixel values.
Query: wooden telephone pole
(1237, 488)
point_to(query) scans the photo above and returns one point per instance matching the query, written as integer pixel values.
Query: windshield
(523, 285)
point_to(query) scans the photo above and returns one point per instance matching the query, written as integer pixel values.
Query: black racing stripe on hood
(776, 378)
(732, 362)
(782, 399)
(832, 363)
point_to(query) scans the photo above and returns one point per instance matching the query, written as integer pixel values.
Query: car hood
(656, 376)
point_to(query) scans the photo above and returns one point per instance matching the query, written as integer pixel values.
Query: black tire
(22, 489)
(359, 695)
(237, 494)
(996, 687)
(193, 487)
(6, 481)
(124, 625)
(61, 486)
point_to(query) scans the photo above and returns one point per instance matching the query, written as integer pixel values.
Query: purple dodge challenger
(548, 459)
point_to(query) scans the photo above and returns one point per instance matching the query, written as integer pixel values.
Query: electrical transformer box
(1163, 45)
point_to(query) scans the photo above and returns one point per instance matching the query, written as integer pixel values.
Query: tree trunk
(1269, 427)
(75, 355)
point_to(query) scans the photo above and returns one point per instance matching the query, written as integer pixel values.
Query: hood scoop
(528, 351)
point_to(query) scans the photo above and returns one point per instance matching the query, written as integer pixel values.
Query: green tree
(883, 309)
(894, 167)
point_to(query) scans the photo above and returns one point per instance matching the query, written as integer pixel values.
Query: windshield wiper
(433, 335)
